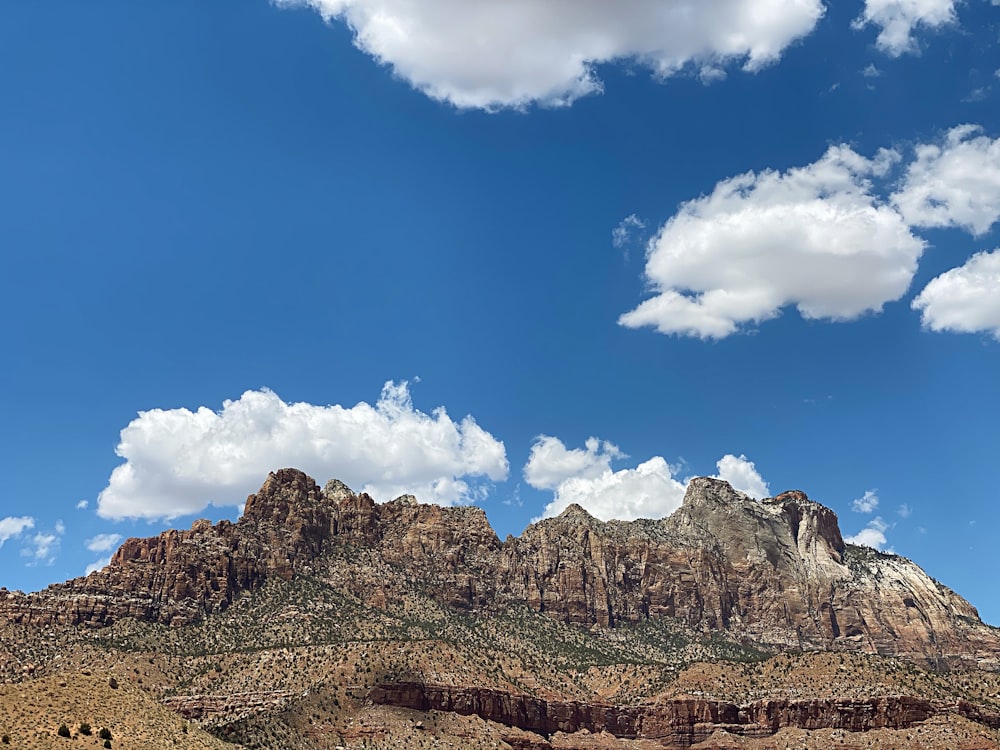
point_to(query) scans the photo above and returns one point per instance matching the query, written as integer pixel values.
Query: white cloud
(814, 237)
(97, 565)
(82, 505)
(650, 490)
(867, 503)
(742, 474)
(178, 461)
(898, 19)
(647, 491)
(965, 299)
(904, 511)
(42, 548)
(550, 462)
(954, 183)
(871, 71)
(103, 542)
(622, 233)
(872, 535)
(474, 53)
(12, 527)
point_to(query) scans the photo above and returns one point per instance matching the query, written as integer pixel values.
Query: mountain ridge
(775, 572)
(322, 619)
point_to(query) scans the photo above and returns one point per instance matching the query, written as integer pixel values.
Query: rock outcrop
(774, 573)
(231, 706)
(677, 723)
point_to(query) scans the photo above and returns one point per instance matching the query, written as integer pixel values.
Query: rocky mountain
(775, 573)
(576, 615)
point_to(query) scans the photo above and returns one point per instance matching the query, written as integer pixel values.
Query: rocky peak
(775, 572)
(712, 491)
(814, 527)
(286, 494)
(336, 491)
(577, 514)
(791, 495)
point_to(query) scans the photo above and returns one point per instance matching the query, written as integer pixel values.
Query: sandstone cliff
(776, 572)
(677, 723)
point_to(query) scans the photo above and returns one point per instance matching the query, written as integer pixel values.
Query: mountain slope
(322, 618)
(775, 573)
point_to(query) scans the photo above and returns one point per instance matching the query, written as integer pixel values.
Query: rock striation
(775, 572)
(677, 723)
(231, 706)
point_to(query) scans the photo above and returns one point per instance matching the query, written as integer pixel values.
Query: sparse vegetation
(292, 664)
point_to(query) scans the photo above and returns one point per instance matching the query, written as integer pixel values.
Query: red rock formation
(676, 723)
(775, 572)
(230, 706)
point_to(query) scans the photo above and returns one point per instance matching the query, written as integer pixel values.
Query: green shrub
(105, 734)
(63, 730)
(5, 739)
(85, 729)
(107, 744)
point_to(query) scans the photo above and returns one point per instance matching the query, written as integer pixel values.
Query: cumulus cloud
(872, 535)
(742, 474)
(103, 542)
(82, 505)
(179, 461)
(550, 462)
(965, 299)
(953, 183)
(489, 55)
(650, 490)
(12, 527)
(867, 503)
(647, 491)
(814, 237)
(898, 20)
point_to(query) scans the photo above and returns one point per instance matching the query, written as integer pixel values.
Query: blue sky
(518, 254)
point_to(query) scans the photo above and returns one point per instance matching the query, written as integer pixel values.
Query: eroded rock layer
(677, 723)
(775, 572)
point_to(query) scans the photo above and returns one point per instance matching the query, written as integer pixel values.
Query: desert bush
(5, 739)
(105, 734)
(107, 744)
(63, 730)
(85, 729)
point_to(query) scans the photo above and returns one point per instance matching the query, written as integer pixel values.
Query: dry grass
(324, 644)
(32, 711)
(830, 675)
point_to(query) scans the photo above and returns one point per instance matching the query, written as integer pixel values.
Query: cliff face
(775, 572)
(677, 723)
